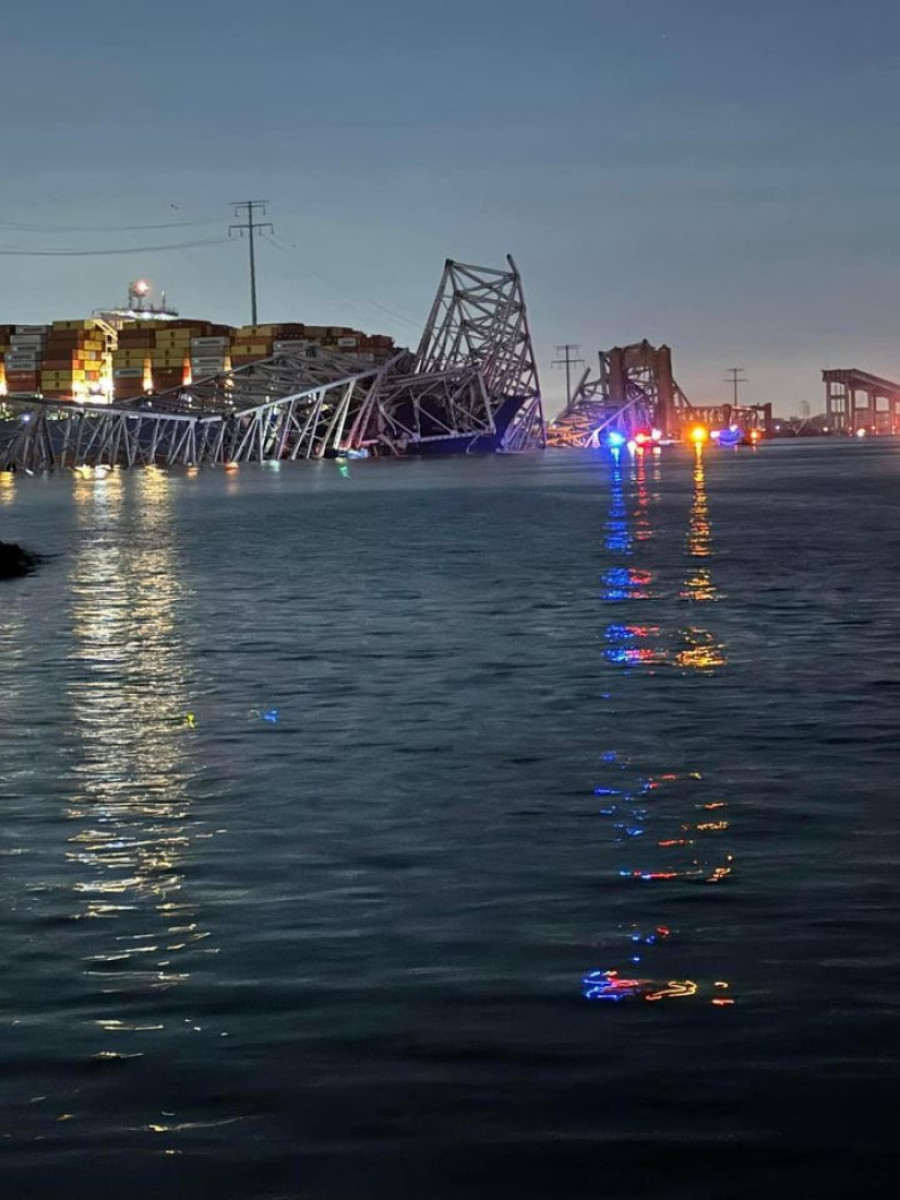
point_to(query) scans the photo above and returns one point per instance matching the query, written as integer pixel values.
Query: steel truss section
(479, 321)
(632, 390)
(43, 436)
(332, 417)
(434, 406)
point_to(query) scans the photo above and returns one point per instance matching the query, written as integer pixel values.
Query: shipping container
(254, 333)
(209, 343)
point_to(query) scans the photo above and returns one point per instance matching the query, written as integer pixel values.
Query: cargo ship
(140, 348)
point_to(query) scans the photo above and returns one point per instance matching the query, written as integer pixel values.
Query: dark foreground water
(331, 796)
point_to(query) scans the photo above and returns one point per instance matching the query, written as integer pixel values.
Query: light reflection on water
(655, 817)
(7, 487)
(132, 824)
(416, 877)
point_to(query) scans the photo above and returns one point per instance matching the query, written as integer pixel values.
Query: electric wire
(9, 253)
(275, 241)
(27, 227)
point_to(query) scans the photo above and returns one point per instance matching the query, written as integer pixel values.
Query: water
(330, 795)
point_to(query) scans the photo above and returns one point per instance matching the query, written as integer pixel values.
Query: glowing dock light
(699, 434)
(860, 433)
(754, 436)
(656, 435)
(632, 446)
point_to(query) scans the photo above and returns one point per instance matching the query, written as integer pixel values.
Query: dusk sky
(721, 176)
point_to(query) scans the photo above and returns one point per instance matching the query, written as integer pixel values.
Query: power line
(100, 253)
(568, 362)
(280, 244)
(248, 209)
(28, 228)
(735, 376)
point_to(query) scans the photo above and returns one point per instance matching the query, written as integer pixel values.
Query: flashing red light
(642, 438)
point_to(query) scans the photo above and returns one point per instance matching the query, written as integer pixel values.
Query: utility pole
(736, 377)
(248, 209)
(568, 362)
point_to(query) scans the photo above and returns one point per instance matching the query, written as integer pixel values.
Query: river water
(510, 827)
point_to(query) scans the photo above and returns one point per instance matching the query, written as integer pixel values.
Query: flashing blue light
(615, 439)
(731, 437)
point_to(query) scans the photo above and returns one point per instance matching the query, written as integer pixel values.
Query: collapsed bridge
(471, 386)
(634, 390)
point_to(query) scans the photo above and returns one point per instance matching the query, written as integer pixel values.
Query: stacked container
(5, 332)
(131, 370)
(211, 353)
(253, 342)
(81, 359)
(157, 357)
(76, 361)
(170, 358)
(23, 357)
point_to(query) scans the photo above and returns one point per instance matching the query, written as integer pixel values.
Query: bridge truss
(632, 390)
(472, 386)
(635, 391)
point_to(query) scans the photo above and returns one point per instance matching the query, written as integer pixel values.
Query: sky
(721, 176)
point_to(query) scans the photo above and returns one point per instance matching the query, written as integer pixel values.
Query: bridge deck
(862, 380)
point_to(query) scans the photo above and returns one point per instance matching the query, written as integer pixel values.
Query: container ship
(141, 349)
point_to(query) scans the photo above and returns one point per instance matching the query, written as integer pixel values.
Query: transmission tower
(248, 209)
(735, 376)
(568, 362)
